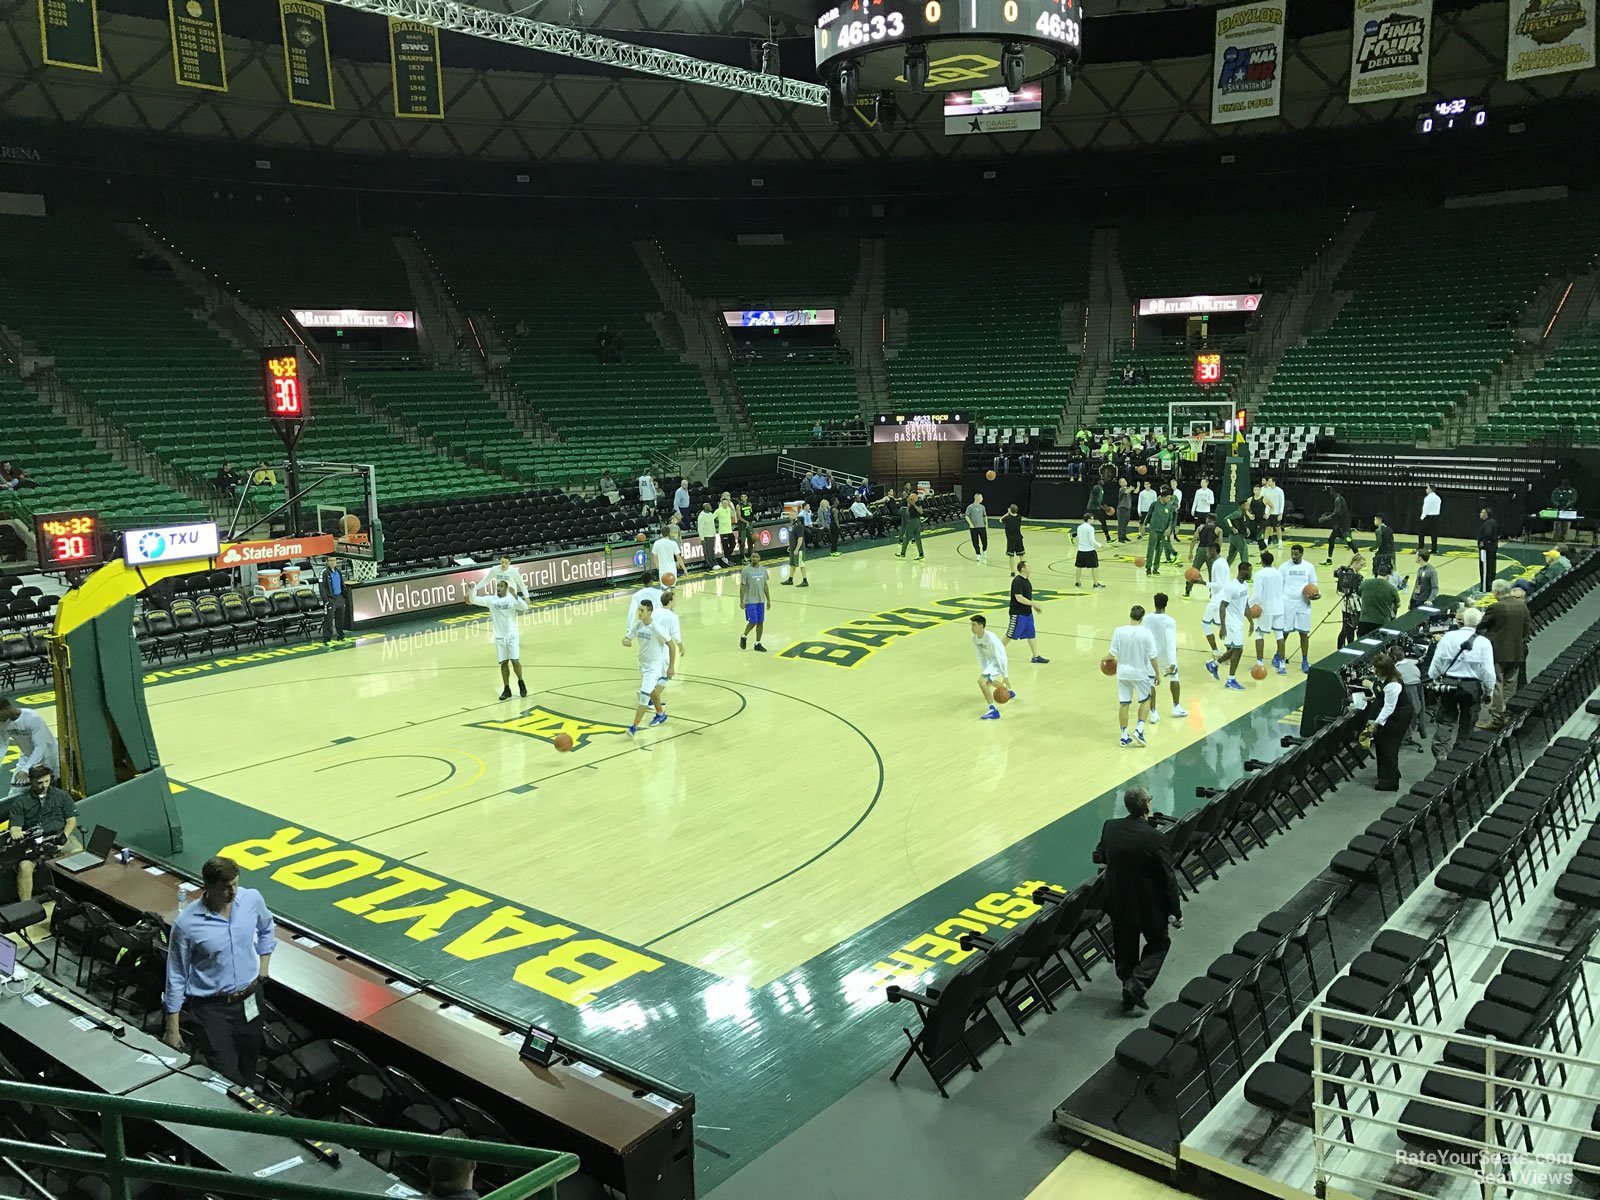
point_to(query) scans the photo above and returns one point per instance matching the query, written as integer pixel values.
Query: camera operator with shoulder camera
(48, 810)
(1463, 671)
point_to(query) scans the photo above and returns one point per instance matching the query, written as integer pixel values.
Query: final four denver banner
(1547, 37)
(1389, 49)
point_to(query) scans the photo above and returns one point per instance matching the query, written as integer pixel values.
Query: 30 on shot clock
(68, 540)
(1208, 369)
(283, 385)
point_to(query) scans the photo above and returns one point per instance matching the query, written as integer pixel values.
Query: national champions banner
(1547, 37)
(1247, 63)
(1389, 49)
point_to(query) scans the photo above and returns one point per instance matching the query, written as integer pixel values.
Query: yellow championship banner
(197, 60)
(307, 61)
(70, 33)
(414, 70)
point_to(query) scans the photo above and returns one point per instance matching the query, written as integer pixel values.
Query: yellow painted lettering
(255, 853)
(955, 923)
(833, 653)
(891, 971)
(911, 960)
(301, 876)
(406, 882)
(428, 919)
(506, 928)
(938, 947)
(1012, 908)
(597, 964)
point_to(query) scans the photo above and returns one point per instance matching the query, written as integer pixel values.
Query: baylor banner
(1389, 49)
(197, 44)
(306, 61)
(1548, 37)
(71, 33)
(414, 68)
(1247, 63)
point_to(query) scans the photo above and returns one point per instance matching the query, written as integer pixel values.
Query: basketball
(1310, 592)
(639, 537)
(1138, 561)
(1001, 695)
(1259, 671)
(1193, 575)
(562, 742)
(668, 579)
(1253, 611)
(1108, 665)
(989, 475)
(1141, 470)
(1110, 511)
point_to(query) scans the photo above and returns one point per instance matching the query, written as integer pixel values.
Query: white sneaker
(1155, 717)
(1179, 711)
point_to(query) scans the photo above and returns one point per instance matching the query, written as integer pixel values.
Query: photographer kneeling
(49, 810)
(1463, 663)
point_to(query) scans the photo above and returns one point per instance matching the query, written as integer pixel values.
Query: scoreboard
(283, 386)
(68, 540)
(1208, 369)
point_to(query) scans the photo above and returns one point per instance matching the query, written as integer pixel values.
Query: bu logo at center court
(543, 724)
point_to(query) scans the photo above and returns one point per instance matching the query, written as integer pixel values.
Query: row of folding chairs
(212, 624)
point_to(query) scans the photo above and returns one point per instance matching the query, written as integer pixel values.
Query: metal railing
(543, 1169)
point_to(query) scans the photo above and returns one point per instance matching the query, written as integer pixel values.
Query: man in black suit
(1141, 896)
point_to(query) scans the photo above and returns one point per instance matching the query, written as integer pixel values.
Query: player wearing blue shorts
(1019, 623)
(754, 597)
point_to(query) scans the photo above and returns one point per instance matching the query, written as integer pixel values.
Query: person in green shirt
(1158, 523)
(1167, 458)
(1564, 499)
(1379, 603)
(1097, 507)
(1556, 564)
(911, 523)
(1233, 528)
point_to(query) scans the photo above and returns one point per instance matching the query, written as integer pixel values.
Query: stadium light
(916, 67)
(1013, 67)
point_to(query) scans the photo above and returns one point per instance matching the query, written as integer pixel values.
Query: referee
(217, 956)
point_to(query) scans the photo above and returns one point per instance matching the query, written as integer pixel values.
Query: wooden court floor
(727, 894)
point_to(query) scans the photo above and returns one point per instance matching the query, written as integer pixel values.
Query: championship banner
(414, 70)
(1389, 49)
(1247, 63)
(70, 30)
(306, 61)
(197, 44)
(1547, 37)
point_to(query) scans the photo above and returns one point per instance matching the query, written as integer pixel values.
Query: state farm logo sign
(248, 553)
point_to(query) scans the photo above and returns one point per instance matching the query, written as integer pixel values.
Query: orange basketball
(1001, 695)
(1108, 665)
(1310, 592)
(989, 475)
(1138, 561)
(668, 579)
(639, 537)
(1258, 671)
(562, 742)
(1193, 575)
(1253, 612)
(1142, 470)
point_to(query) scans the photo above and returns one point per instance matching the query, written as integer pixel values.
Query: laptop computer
(101, 842)
(8, 959)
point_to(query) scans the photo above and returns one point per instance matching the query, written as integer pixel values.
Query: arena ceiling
(1146, 83)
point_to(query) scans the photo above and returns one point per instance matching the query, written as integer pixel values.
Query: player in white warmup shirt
(1164, 628)
(503, 611)
(992, 664)
(1298, 574)
(512, 577)
(648, 592)
(1234, 600)
(1266, 589)
(1088, 555)
(657, 658)
(1277, 508)
(1137, 670)
(668, 558)
(1217, 580)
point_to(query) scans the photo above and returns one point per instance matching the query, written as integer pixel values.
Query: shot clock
(283, 385)
(68, 541)
(1208, 370)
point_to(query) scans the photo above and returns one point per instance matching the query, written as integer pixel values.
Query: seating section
(1564, 395)
(806, 271)
(450, 405)
(786, 400)
(1430, 316)
(1129, 405)
(173, 384)
(985, 327)
(1212, 254)
(610, 415)
(334, 266)
(70, 470)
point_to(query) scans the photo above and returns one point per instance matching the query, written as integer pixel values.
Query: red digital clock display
(283, 385)
(1208, 369)
(68, 540)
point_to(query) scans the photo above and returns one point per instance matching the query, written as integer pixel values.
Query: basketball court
(720, 900)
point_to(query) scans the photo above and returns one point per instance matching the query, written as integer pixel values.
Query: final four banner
(1548, 37)
(1389, 49)
(306, 61)
(1247, 63)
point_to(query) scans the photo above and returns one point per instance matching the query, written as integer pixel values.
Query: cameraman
(1348, 580)
(1463, 662)
(50, 811)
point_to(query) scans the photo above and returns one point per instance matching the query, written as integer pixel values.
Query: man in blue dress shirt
(217, 958)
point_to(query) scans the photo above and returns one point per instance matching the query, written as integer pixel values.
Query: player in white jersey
(1266, 589)
(668, 559)
(657, 657)
(1234, 600)
(992, 664)
(648, 592)
(1298, 574)
(503, 610)
(512, 577)
(1217, 578)
(1276, 505)
(1164, 629)
(1088, 555)
(667, 623)
(1137, 670)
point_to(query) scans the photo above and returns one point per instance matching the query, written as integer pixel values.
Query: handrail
(544, 1168)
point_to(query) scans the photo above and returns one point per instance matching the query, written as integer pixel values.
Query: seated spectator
(263, 474)
(816, 432)
(227, 480)
(13, 477)
(1556, 564)
(451, 1178)
(862, 513)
